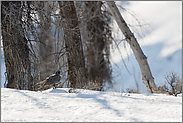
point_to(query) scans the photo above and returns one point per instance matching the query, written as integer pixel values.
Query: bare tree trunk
(147, 77)
(46, 66)
(15, 45)
(73, 44)
(97, 43)
(29, 24)
(6, 45)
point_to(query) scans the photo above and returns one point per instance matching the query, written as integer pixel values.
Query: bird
(49, 81)
(53, 79)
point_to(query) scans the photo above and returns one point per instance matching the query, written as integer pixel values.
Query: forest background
(156, 34)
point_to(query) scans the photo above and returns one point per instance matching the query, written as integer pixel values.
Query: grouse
(49, 81)
(53, 79)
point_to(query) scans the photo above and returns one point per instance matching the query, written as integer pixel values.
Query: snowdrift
(57, 105)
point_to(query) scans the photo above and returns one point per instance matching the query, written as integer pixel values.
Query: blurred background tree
(42, 37)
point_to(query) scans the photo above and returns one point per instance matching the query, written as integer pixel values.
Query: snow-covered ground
(161, 43)
(56, 105)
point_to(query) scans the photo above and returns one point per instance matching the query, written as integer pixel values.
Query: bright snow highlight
(56, 105)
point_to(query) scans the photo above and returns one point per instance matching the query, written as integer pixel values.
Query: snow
(161, 41)
(56, 105)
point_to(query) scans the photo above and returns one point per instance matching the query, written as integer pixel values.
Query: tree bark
(73, 44)
(46, 66)
(147, 77)
(15, 46)
(97, 43)
(6, 45)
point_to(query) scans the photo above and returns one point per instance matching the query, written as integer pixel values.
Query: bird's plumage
(50, 81)
(54, 78)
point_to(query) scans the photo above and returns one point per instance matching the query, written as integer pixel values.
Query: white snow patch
(55, 105)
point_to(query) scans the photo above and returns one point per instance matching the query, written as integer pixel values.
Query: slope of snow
(55, 105)
(160, 38)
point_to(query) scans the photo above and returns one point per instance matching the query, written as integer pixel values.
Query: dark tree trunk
(97, 43)
(73, 44)
(6, 45)
(16, 50)
(46, 66)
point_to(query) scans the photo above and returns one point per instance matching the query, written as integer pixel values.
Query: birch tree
(147, 77)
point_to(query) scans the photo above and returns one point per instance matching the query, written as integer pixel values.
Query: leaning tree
(147, 77)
